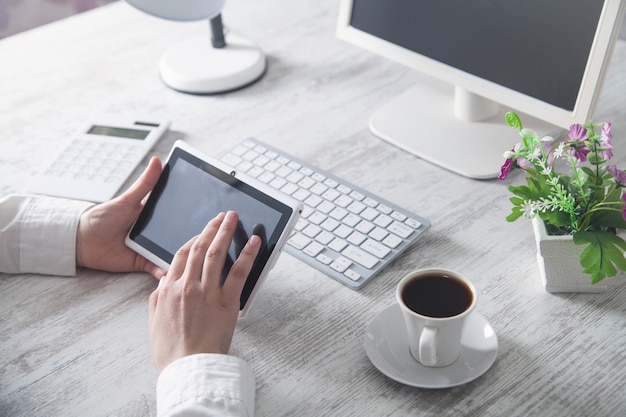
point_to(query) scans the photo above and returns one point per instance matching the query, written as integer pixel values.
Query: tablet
(193, 189)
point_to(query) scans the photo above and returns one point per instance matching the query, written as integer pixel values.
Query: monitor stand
(422, 121)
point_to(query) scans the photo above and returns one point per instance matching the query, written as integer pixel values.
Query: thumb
(145, 183)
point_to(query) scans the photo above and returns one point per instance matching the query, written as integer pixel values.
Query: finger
(145, 183)
(228, 263)
(259, 230)
(154, 270)
(241, 269)
(240, 238)
(202, 246)
(152, 304)
(216, 254)
(177, 267)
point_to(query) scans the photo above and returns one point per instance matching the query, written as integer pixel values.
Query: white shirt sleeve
(38, 234)
(206, 385)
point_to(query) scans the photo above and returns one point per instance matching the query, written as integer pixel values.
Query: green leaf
(588, 171)
(517, 211)
(557, 218)
(513, 120)
(603, 253)
(610, 218)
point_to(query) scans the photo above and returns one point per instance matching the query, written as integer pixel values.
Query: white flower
(558, 152)
(553, 180)
(529, 209)
(528, 134)
(547, 139)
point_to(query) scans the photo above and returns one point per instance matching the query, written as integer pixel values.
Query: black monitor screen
(536, 47)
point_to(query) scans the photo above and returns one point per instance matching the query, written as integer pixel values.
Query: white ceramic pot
(559, 263)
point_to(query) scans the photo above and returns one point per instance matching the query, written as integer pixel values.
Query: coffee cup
(435, 304)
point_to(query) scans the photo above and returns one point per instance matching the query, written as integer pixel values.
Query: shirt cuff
(206, 385)
(48, 235)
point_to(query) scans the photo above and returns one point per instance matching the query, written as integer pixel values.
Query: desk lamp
(203, 64)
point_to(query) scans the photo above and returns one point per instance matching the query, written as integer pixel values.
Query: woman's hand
(103, 228)
(191, 311)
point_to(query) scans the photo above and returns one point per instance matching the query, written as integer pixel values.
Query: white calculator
(100, 158)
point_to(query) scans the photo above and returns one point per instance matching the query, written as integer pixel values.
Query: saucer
(387, 346)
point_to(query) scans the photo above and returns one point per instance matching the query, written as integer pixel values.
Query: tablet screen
(189, 193)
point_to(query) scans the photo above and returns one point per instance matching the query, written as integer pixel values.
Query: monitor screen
(543, 59)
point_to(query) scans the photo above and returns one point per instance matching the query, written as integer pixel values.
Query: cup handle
(428, 346)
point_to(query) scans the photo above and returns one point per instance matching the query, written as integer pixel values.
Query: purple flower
(605, 141)
(506, 169)
(618, 174)
(578, 136)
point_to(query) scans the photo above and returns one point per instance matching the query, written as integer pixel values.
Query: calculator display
(119, 132)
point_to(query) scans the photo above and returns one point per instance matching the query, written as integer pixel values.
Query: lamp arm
(217, 31)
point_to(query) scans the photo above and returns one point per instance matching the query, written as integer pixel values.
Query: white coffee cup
(435, 303)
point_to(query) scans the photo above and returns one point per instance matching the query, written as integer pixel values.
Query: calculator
(99, 158)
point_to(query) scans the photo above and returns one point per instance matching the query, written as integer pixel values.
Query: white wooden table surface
(79, 347)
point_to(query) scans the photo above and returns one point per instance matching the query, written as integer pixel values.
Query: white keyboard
(345, 231)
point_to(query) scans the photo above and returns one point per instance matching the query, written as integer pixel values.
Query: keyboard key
(318, 218)
(325, 260)
(413, 223)
(342, 231)
(392, 241)
(324, 237)
(313, 249)
(299, 241)
(369, 214)
(375, 248)
(311, 230)
(351, 220)
(360, 256)
(365, 227)
(301, 195)
(379, 234)
(337, 245)
(356, 238)
(352, 274)
(330, 224)
(400, 230)
(383, 221)
(356, 207)
(398, 216)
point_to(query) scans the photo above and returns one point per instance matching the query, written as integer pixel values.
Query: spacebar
(360, 256)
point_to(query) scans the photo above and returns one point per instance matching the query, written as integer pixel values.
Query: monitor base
(422, 122)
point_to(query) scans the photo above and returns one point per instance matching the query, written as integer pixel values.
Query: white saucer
(387, 346)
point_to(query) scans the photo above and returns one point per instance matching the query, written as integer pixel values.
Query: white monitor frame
(508, 99)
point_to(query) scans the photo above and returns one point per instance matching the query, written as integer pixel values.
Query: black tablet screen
(190, 192)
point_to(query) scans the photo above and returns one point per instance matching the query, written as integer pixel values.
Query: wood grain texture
(79, 346)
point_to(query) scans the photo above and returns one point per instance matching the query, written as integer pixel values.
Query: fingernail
(231, 215)
(254, 240)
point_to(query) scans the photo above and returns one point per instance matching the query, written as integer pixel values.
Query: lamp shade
(180, 10)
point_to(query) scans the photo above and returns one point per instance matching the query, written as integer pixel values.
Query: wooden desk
(79, 346)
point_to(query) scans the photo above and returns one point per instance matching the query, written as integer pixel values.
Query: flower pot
(559, 263)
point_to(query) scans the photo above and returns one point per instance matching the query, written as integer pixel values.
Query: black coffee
(437, 296)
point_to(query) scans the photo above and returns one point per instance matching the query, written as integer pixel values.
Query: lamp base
(195, 66)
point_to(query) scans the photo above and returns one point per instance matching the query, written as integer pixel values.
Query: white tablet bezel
(290, 211)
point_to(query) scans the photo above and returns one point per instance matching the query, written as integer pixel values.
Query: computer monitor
(544, 59)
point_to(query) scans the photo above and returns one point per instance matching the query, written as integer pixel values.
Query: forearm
(38, 234)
